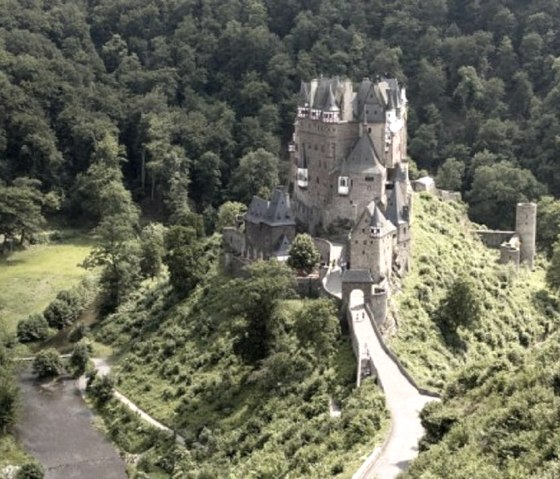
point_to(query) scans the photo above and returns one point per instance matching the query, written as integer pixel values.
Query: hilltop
(179, 360)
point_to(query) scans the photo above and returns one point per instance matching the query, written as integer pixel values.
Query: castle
(349, 174)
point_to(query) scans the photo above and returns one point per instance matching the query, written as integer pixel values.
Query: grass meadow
(31, 278)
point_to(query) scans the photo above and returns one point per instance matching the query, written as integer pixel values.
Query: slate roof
(376, 219)
(357, 276)
(363, 158)
(276, 212)
(330, 104)
(257, 210)
(395, 206)
(400, 174)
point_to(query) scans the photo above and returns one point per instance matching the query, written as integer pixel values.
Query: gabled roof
(279, 211)
(375, 219)
(257, 210)
(276, 212)
(363, 159)
(395, 206)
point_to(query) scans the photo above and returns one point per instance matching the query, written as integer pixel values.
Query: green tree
(253, 301)
(303, 254)
(79, 358)
(317, 327)
(47, 363)
(184, 258)
(553, 271)
(461, 306)
(32, 328)
(548, 222)
(497, 189)
(101, 389)
(229, 214)
(257, 170)
(20, 209)
(450, 175)
(151, 249)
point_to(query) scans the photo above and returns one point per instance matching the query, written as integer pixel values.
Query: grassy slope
(177, 362)
(30, 279)
(444, 248)
(499, 416)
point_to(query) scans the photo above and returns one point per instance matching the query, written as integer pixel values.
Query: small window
(369, 178)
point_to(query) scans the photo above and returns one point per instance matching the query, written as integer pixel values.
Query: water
(56, 428)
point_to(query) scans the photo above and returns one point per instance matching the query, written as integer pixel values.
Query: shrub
(32, 328)
(31, 470)
(101, 389)
(66, 307)
(47, 363)
(78, 332)
(303, 254)
(79, 358)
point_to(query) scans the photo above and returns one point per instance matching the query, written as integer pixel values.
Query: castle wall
(509, 254)
(494, 238)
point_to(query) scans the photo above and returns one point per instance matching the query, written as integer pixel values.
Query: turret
(526, 228)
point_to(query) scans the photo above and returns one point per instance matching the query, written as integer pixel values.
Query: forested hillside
(189, 88)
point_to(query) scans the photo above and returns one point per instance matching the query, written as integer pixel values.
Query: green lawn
(30, 279)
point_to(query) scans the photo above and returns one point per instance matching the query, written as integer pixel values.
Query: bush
(32, 328)
(31, 470)
(47, 364)
(303, 254)
(78, 332)
(79, 358)
(101, 389)
(65, 309)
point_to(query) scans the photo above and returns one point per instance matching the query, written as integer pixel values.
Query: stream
(56, 428)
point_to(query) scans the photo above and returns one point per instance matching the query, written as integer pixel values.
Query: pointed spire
(331, 101)
(377, 218)
(303, 99)
(395, 206)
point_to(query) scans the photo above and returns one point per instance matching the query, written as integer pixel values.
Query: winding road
(402, 398)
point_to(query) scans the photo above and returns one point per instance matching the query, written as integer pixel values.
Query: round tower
(526, 228)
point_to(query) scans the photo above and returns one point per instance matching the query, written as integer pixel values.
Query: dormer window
(374, 231)
(303, 112)
(343, 185)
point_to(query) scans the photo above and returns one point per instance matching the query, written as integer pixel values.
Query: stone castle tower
(526, 229)
(350, 174)
(349, 147)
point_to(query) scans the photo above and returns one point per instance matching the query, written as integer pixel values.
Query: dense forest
(189, 89)
(155, 122)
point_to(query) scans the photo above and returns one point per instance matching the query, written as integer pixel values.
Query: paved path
(103, 368)
(402, 398)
